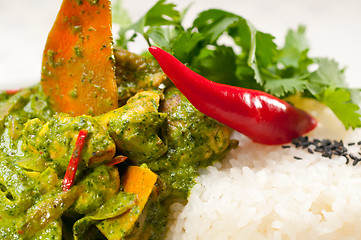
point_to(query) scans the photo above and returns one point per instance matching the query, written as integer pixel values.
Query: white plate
(333, 29)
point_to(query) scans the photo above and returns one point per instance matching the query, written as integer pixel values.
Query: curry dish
(158, 131)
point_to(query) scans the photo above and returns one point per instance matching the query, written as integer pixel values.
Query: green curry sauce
(153, 127)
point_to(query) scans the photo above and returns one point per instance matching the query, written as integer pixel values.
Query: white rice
(262, 192)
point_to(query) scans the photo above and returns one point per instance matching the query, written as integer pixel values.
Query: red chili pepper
(12, 91)
(116, 160)
(74, 160)
(258, 115)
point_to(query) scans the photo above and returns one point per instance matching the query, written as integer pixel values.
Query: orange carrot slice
(78, 67)
(139, 180)
(136, 180)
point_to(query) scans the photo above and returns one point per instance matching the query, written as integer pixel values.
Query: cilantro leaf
(339, 101)
(119, 14)
(185, 44)
(162, 14)
(163, 37)
(217, 64)
(296, 43)
(244, 36)
(285, 86)
(266, 49)
(246, 75)
(123, 36)
(212, 23)
(328, 74)
(258, 48)
(355, 95)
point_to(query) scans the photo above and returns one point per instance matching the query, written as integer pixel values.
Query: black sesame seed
(338, 152)
(327, 154)
(326, 142)
(355, 161)
(327, 148)
(318, 149)
(305, 144)
(303, 138)
(352, 156)
(286, 146)
(297, 158)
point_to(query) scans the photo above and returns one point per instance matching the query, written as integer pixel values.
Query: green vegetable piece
(15, 102)
(114, 207)
(46, 182)
(50, 209)
(135, 127)
(135, 73)
(191, 133)
(100, 184)
(52, 231)
(9, 228)
(193, 140)
(56, 138)
(16, 191)
(24, 105)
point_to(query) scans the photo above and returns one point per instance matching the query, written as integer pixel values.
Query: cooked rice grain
(262, 192)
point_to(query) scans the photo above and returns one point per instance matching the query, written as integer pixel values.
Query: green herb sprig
(250, 59)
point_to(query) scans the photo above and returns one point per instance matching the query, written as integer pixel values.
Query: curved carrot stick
(77, 69)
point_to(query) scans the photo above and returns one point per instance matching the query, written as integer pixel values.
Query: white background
(333, 30)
